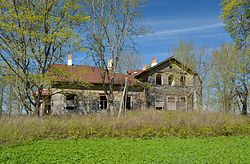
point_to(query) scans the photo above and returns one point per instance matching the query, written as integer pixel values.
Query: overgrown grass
(141, 124)
(157, 150)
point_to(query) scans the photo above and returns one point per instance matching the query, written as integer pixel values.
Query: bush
(140, 124)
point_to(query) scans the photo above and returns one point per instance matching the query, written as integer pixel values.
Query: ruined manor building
(78, 89)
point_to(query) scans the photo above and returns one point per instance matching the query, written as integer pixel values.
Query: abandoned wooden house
(79, 89)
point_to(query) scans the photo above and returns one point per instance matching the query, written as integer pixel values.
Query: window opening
(170, 79)
(103, 102)
(158, 79)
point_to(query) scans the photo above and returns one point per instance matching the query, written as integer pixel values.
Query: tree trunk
(201, 95)
(1, 100)
(124, 99)
(10, 101)
(111, 107)
(243, 96)
(39, 102)
(39, 108)
(19, 109)
(244, 106)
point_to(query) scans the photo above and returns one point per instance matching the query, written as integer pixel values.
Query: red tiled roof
(87, 74)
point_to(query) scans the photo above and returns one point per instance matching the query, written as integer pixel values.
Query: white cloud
(188, 29)
(175, 33)
(156, 21)
(212, 35)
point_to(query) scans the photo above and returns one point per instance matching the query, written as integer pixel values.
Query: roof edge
(166, 60)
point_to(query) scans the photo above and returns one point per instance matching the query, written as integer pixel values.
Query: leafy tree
(221, 78)
(33, 36)
(230, 78)
(113, 26)
(242, 79)
(236, 15)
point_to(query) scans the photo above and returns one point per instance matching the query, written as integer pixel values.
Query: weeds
(141, 124)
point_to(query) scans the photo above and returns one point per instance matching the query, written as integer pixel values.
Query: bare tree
(185, 53)
(198, 60)
(129, 60)
(114, 24)
(203, 67)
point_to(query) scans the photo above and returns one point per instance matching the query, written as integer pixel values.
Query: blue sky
(171, 20)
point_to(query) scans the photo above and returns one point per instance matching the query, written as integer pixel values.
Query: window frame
(129, 103)
(70, 99)
(103, 103)
(158, 79)
(183, 80)
(170, 75)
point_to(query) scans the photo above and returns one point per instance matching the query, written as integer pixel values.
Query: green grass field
(162, 150)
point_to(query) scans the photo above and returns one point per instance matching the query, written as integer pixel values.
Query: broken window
(183, 80)
(103, 102)
(182, 99)
(70, 101)
(128, 103)
(170, 79)
(70, 108)
(70, 97)
(158, 79)
(48, 104)
(159, 108)
(47, 109)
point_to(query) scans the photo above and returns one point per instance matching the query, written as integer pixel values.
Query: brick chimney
(69, 58)
(153, 62)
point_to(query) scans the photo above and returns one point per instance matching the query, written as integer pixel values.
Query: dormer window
(183, 80)
(170, 79)
(158, 79)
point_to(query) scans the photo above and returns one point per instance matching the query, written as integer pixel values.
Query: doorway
(171, 103)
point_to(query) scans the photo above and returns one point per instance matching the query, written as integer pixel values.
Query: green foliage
(164, 150)
(62, 77)
(236, 15)
(221, 77)
(147, 124)
(34, 35)
(230, 73)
